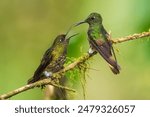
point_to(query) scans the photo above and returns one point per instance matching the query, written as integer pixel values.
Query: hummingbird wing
(106, 36)
(47, 57)
(104, 50)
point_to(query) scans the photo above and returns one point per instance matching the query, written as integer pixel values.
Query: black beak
(74, 25)
(71, 36)
(80, 23)
(70, 29)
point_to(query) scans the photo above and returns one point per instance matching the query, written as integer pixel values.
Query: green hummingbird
(53, 59)
(99, 41)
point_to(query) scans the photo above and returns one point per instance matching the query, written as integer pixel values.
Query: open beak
(74, 25)
(70, 29)
(72, 36)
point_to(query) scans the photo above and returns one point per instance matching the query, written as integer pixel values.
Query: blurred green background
(28, 27)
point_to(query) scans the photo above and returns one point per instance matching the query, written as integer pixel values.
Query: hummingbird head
(60, 39)
(93, 18)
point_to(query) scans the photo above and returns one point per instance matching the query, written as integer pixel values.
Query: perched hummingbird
(53, 59)
(99, 40)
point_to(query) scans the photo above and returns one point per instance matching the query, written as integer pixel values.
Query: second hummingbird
(53, 59)
(99, 40)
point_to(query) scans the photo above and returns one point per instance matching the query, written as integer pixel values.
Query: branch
(30, 86)
(71, 66)
(131, 37)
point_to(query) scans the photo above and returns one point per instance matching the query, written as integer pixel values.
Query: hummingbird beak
(72, 26)
(80, 23)
(71, 36)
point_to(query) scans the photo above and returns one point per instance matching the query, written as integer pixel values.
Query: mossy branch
(71, 66)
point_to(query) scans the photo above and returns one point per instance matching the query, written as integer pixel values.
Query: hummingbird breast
(58, 60)
(56, 65)
(94, 33)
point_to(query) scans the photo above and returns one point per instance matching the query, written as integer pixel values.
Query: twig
(71, 66)
(131, 37)
(30, 86)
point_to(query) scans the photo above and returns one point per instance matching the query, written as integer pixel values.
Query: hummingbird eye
(92, 18)
(61, 39)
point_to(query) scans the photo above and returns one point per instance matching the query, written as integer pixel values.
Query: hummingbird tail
(115, 70)
(32, 80)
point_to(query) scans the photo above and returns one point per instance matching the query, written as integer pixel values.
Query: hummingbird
(53, 59)
(99, 41)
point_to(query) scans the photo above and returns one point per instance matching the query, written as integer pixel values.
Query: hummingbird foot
(47, 74)
(91, 51)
